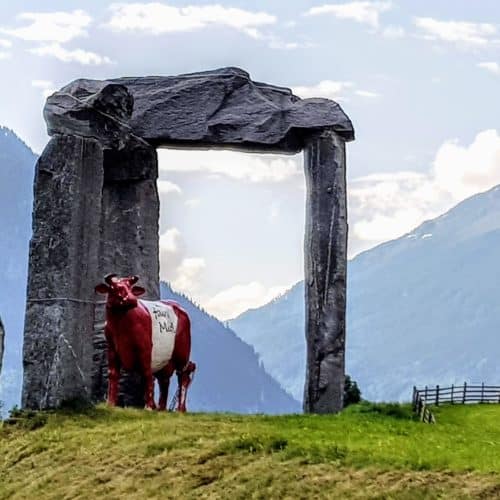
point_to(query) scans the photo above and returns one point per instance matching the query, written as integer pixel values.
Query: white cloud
(276, 43)
(233, 301)
(367, 93)
(461, 33)
(249, 167)
(76, 55)
(329, 89)
(170, 240)
(168, 187)
(182, 272)
(385, 206)
(41, 84)
(192, 202)
(361, 12)
(274, 211)
(188, 275)
(5, 44)
(51, 26)
(393, 32)
(46, 86)
(5, 55)
(465, 170)
(492, 67)
(157, 18)
(171, 253)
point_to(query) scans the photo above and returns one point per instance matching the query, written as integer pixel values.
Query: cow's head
(122, 292)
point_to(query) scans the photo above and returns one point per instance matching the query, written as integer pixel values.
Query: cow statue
(153, 337)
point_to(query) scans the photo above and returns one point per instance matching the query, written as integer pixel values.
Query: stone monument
(96, 209)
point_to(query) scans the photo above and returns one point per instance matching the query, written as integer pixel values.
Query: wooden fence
(455, 394)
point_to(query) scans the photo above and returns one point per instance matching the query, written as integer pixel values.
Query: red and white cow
(153, 337)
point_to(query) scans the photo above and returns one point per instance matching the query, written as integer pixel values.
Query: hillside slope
(276, 331)
(366, 452)
(422, 309)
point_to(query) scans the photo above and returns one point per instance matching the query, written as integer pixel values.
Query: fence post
(425, 396)
(482, 392)
(414, 398)
(452, 388)
(437, 395)
(464, 397)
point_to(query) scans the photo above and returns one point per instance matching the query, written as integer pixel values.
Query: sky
(419, 80)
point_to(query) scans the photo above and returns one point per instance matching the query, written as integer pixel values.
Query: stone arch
(96, 209)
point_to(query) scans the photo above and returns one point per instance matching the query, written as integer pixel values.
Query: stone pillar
(129, 245)
(325, 249)
(57, 350)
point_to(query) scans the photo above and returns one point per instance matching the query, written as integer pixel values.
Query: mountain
(17, 163)
(422, 309)
(228, 376)
(276, 331)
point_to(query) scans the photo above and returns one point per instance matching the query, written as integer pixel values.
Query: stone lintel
(222, 107)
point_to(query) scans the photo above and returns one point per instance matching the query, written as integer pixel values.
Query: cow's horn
(109, 278)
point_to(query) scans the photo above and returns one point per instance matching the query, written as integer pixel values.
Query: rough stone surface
(128, 246)
(96, 211)
(325, 250)
(212, 108)
(57, 349)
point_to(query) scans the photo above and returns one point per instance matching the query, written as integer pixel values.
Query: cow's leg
(113, 375)
(163, 377)
(149, 402)
(184, 380)
(147, 373)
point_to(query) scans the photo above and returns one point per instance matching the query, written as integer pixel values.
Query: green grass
(368, 451)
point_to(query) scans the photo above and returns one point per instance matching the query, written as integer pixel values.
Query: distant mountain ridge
(17, 163)
(229, 376)
(421, 309)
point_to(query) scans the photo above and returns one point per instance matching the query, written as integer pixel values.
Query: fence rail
(455, 394)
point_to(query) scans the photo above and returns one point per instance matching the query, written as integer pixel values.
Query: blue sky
(419, 80)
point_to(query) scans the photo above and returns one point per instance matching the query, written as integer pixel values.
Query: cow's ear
(102, 288)
(138, 290)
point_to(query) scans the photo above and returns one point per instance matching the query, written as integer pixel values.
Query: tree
(352, 393)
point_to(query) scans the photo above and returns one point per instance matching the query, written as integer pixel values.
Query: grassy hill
(369, 451)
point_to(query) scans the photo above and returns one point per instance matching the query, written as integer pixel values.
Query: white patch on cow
(164, 325)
